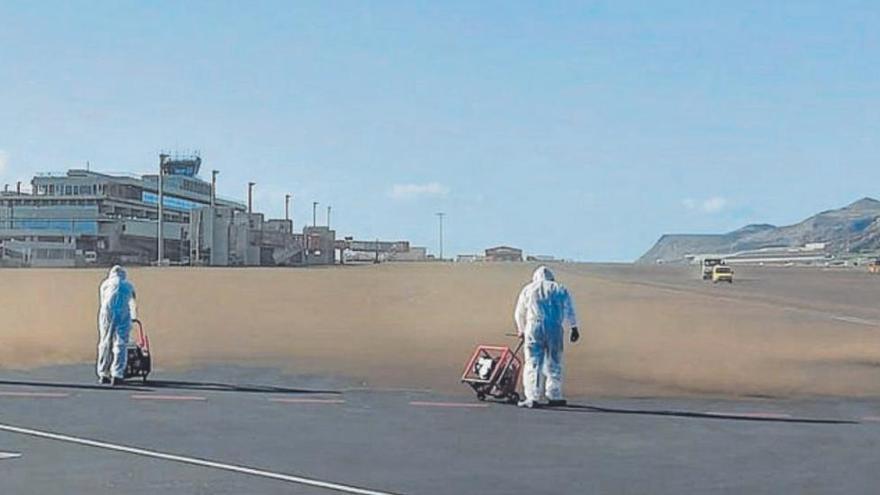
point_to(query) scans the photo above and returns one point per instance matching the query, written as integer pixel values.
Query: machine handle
(142, 340)
(521, 339)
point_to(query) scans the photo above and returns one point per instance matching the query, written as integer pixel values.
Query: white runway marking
(8, 455)
(168, 397)
(857, 321)
(35, 395)
(465, 405)
(192, 461)
(308, 401)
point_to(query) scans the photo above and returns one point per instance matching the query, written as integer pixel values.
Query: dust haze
(646, 332)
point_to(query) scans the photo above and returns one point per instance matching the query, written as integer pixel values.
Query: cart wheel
(513, 398)
(481, 396)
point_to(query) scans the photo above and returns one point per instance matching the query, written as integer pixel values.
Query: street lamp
(440, 218)
(161, 230)
(214, 174)
(251, 196)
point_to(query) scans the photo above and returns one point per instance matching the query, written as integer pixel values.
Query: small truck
(708, 265)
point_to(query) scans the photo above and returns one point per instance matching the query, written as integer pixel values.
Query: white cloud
(714, 205)
(710, 205)
(406, 192)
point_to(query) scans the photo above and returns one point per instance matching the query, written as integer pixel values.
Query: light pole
(161, 232)
(329, 209)
(251, 196)
(440, 218)
(214, 187)
(287, 208)
(314, 213)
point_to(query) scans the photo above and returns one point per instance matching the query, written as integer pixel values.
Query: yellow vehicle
(722, 273)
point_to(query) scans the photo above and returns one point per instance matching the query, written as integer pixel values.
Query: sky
(583, 130)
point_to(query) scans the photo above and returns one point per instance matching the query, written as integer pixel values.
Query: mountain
(854, 228)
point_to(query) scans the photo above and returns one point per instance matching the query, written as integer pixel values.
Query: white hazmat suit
(117, 310)
(544, 307)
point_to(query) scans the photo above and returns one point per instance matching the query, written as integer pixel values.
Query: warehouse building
(504, 253)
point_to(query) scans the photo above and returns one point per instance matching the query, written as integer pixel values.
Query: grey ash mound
(853, 228)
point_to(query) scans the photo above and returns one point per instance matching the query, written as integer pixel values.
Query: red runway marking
(308, 401)
(42, 395)
(751, 415)
(448, 404)
(169, 397)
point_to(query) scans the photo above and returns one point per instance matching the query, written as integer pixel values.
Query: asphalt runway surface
(233, 430)
(850, 295)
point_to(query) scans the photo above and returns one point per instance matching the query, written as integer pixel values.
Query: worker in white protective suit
(544, 307)
(118, 308)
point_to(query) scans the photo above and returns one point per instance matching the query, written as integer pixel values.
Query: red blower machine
(494, 371)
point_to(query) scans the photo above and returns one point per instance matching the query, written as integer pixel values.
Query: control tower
(182, 165)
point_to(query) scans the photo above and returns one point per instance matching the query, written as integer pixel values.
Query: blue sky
(582, 129)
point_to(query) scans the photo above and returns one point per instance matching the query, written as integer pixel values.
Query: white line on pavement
(465, 405)
(9, 455)
(35, 395)
(192, 461)
(308, 401)
(854, 320)
(168, 397)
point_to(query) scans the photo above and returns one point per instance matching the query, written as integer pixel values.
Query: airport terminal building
(88, 218)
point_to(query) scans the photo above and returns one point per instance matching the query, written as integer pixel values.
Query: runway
(289, 434)
(837, 293)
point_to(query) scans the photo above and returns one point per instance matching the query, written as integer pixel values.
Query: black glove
(575, 335)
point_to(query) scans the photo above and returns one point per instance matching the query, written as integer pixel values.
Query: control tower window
(186, 166)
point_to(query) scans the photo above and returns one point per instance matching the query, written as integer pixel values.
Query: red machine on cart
(493, 371)
(139, 363)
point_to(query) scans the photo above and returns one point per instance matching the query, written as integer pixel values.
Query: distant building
(415, 253)
(541, 258)
(504, 253)
(39, 248)
(320, 246)
(809, 254)
(223, 236)
(470, 258)
(86, 218)
(353, 250)
(109, 218)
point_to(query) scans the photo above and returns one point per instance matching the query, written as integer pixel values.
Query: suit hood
(117, 272)
(543, 274)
